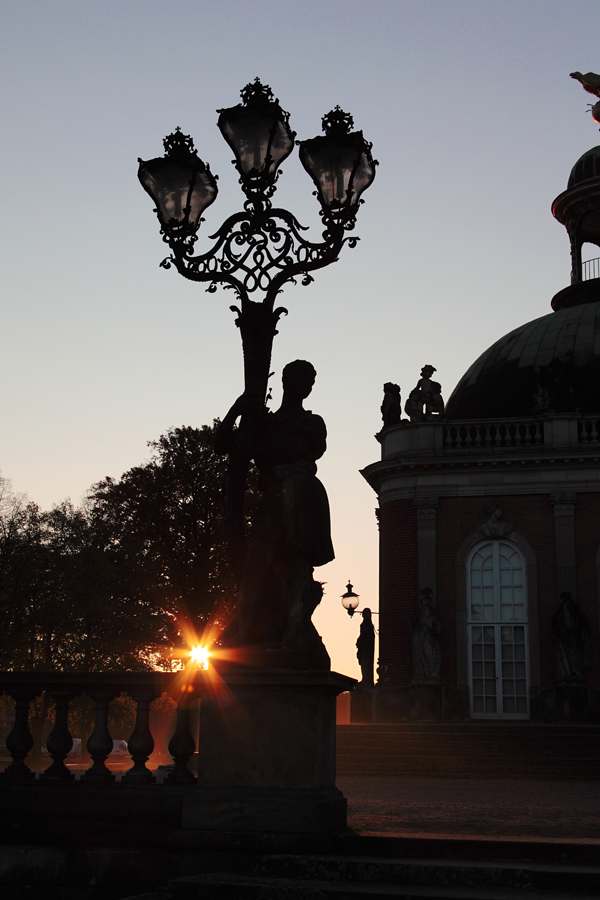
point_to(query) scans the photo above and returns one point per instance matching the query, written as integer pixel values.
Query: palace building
(489, 516)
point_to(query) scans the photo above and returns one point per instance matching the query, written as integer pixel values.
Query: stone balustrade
(443, 437)
(102, 687)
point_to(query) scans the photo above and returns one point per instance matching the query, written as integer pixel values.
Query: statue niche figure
(493, 526)
(425, 400)
(391, 408)
(570, 640)
(425, 637)
(365, 649)
(290, 532)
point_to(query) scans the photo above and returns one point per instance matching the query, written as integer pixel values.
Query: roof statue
(591, 84)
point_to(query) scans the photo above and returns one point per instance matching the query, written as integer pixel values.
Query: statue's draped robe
(294, 510)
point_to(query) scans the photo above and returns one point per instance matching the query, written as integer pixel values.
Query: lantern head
(258, 132)
(350, 600)
(181, 185)
(341, 165)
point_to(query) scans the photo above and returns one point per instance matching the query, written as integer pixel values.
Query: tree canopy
(117, 582)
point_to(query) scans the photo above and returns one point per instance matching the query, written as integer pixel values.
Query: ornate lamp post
(259, 250)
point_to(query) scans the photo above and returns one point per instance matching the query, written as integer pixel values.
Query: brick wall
(398, 590)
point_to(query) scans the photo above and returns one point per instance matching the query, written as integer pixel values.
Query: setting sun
(200, 655)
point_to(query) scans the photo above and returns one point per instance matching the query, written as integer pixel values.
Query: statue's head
(366, 614)
(427, 371)
(299, 377)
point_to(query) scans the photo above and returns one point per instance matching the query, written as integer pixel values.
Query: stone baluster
(100, 742)
(60, 742)
(182, 745)
(20, 741)
(141, 742)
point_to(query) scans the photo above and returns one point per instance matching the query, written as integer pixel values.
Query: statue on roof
(590, 83)
(391, 408)
(425, 400)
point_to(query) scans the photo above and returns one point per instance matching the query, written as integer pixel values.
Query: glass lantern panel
(168, 183)
(363, 177)
(173, 186)
(252, 134)
(203, 194)
(330, 166)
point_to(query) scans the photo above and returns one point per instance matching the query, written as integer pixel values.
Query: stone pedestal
(266, 756)
(571, 703)
(426, 702)
(362, 702)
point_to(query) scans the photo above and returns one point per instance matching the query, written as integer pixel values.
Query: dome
(586, 167)
(550, 364)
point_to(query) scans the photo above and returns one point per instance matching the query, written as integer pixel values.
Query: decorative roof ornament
(179, 145)
(590, 83)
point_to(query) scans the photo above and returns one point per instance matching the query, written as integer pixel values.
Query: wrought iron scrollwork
(258, 251)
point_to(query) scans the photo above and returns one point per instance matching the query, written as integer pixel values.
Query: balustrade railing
(590, 269)
(473, 435)
(64, 687)
(588, 431)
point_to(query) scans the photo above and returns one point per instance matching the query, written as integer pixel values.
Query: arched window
(498, 638)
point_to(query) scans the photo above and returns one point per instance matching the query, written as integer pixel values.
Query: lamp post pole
(258, 250)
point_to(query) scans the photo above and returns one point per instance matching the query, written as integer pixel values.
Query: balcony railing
(442, 437)
(466, 435)
(64, 687)
(590, 269)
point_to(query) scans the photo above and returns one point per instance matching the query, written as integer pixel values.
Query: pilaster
(426, 508)
(564, 535)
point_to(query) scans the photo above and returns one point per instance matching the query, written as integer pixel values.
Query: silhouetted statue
(570, 639)
(493, 525)
(554, 389)
(391, 408)
(425, 636)
(365, 649)
(590, 82)
(425, 400)
(290, 533)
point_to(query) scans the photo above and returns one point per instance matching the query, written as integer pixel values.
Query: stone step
(472, 730)
(551, 748)
(408, 867)
(469, 750)
(232, 887)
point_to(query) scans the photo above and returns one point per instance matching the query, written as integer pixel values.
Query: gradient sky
(474, 121)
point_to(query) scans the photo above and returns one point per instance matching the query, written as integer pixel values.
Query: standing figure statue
(391, 408)
(425, 636)
(365, 649)
(425, 400)
(570, 639)
(290, 532)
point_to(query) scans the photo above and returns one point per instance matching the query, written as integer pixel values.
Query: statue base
(571, 703)
(362, 705)
(426, 702)
(266, 756)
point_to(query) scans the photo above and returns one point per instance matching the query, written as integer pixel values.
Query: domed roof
(587, 166)
(552, 363)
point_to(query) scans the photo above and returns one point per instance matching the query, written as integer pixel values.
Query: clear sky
(476, 126)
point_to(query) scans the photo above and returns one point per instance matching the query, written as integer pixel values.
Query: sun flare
(199, 655)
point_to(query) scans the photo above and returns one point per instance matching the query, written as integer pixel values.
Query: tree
(115, 583)
(163, 526)
(19, 550)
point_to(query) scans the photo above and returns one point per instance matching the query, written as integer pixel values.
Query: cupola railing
(590, 269)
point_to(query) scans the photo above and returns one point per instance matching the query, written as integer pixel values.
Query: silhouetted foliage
(111, 585)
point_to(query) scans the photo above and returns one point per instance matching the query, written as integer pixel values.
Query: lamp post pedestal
(266, 757)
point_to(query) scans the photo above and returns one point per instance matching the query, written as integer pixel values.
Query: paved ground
(475, 807)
